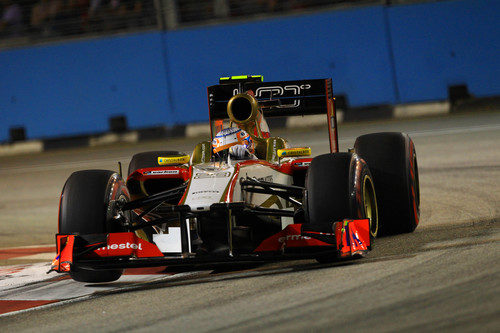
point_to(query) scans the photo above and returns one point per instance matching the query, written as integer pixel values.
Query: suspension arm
(296, 191)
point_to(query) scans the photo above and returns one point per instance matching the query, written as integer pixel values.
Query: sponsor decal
(288, 238)
(302, 164)
(127, 244)
(273, 157)
(279, 91)
(204, 192)
(212, 175)
(203, 152)
(268, 179)
(304, 151)
(121, 246)
(160, 172)
(173, 160)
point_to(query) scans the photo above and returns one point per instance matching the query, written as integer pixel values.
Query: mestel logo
(292, 238)
(122, 246)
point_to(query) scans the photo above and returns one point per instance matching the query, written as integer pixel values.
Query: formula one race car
(242, 196)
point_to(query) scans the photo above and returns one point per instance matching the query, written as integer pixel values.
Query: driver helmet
(229, 137)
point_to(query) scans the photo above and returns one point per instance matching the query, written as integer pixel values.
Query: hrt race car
(276, 203)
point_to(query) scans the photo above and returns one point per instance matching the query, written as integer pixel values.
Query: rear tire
(84, 209)
(340, 186)
(392, 160)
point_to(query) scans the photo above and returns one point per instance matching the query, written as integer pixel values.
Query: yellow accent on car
(287, 152)
(173, 160)
(241, 77)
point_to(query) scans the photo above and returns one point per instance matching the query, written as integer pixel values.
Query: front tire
(392, 160)
(85, 209)
(340, 186)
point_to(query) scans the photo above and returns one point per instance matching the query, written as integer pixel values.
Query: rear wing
(278, 99)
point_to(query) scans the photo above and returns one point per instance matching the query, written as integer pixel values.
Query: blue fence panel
(75, 87)
(348, 45)
(446, 43)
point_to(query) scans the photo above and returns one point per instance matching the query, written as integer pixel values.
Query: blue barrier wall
(349, 46)
(440, 44)
(73, 88)
(375, 55)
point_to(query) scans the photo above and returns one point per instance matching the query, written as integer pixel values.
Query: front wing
(347, 238)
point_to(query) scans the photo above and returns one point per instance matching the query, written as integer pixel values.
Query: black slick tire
(339, 186)
(84, 209)
(392, 160)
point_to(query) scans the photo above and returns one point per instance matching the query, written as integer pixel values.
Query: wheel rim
(370, 205)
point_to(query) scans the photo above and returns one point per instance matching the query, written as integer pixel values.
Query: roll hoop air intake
(243, 109)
